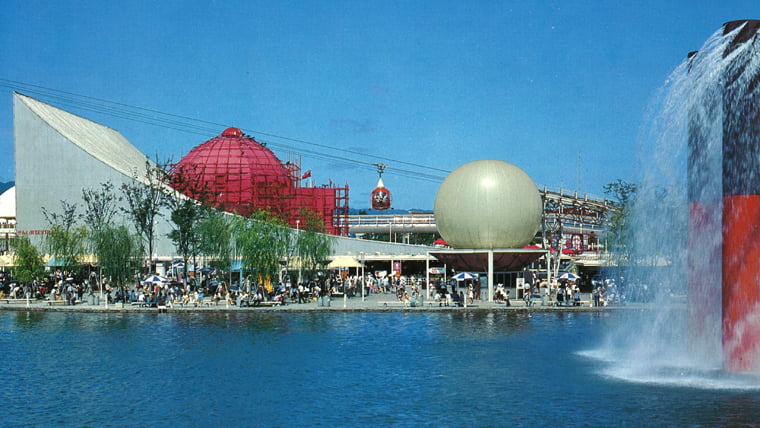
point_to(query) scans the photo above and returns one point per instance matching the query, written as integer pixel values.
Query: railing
(381, 223)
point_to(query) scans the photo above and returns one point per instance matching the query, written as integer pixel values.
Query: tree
(29, 264)
(145, 198)
(263, 242)
(117, 250)
(312, 243)
(185, 215)
(65, 241)
(100, 206)
(215, 236)
(618, 225)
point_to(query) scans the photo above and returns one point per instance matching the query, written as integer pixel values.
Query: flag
(306, 174)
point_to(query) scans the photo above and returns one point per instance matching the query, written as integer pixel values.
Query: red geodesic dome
(235, 173)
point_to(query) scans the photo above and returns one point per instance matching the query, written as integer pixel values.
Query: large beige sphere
(488, 204)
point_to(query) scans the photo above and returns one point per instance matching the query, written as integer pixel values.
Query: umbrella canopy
(344, 262)
(154, 279)
(462, 276)
(568, 276)
(6, 261)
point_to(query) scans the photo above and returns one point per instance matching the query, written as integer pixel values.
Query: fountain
(724, 142)
(695, 234)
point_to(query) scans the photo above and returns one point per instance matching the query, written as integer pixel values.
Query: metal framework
(236, 173)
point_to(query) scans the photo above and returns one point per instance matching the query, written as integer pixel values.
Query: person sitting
(560, 297)
(258, 297)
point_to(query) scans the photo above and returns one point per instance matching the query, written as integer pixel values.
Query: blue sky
(558, 88)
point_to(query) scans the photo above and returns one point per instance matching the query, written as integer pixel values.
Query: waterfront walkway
(372, 303)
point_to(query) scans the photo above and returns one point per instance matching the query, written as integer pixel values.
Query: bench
(268, 303)
(142, 304)
(56, 302)
(392, 303)
(15, 300)
(571, 304)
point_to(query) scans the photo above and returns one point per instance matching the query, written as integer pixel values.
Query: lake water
(334, 369)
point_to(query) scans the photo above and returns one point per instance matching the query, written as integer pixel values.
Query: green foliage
(29, 264)
(66, 241)
(144, 200)
(623, 191)
(118, 252)
(100, 205)
(185, 215)
(312, 244)
(215, 238)
(263, 242)
(618, 235)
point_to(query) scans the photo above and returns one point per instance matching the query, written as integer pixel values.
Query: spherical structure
(488, 204)
(235, 173)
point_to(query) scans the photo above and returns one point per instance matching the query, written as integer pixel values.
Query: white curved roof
(101, 142)
(8, 203)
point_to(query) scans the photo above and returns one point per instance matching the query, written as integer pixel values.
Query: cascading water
(695, 225)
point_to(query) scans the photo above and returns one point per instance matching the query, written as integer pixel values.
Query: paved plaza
(373, 302)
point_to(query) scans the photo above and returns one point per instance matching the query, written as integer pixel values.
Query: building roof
(8, 203)
(101, 142)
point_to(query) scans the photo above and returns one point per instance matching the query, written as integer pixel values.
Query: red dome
(235, 173)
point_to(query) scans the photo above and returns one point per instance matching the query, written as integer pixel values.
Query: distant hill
(6, 186)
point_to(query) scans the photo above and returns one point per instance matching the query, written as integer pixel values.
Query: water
(699, 148)
(336, 369)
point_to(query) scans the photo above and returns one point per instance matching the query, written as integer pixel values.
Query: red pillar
(741, 200)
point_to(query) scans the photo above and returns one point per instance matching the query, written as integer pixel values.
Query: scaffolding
(236, 173)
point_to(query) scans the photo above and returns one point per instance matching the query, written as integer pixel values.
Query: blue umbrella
(154, 278)
(568, 276)
(462, 276)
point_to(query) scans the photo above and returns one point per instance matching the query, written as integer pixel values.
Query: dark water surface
(332, 369)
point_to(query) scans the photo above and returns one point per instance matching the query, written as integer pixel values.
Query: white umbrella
(344, 262)
(461, 276)
(569, 276)
(154, 279)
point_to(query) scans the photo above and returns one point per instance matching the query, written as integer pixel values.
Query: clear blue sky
(559, 88)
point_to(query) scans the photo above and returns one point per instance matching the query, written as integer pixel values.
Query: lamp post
(300, 262)
(361, 257)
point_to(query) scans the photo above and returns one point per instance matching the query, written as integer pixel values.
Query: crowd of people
(210, 288)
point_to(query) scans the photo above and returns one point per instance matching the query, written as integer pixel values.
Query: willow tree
(28, 260)
(312, 243)
(118, 252)
(263, 241)
(65, 241)
(216, 240)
